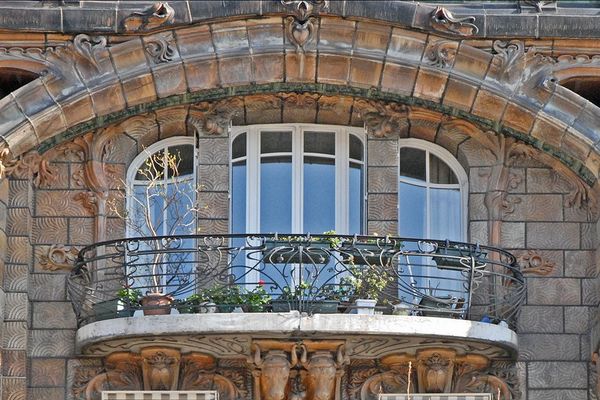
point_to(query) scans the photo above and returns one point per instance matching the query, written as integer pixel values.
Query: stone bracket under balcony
(230, 335)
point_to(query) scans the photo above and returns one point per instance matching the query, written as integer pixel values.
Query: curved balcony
(293, 282)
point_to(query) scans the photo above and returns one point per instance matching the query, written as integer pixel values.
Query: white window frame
(342, 162)
(452, 162)
(147, 152)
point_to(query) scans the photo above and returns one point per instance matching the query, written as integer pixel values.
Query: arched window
(297, 179)
(161, 188)
(432, 192)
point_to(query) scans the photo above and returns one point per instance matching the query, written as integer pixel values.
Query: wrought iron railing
(309, 273)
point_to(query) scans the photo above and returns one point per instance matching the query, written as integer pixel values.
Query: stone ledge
(212, 332)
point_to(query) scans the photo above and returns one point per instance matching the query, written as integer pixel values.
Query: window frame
(453, 164)
(147, 152)
(342, 172)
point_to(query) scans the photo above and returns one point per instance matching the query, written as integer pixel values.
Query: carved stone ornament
(442, 20)
(442, 54)
(539, 5)
(155, 368)
(214, 118)
(280, 373)
(438, 370)
(300, 100)
(381, 119)
(30, 166)
(156, 16)
(301, 28)
(522, 67)
(532, 263)
(160, 50)
(59, 258)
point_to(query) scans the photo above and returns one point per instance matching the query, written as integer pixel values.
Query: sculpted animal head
(275, 372)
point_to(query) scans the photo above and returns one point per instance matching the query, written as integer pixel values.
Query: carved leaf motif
(300, 99)
(303, 9)
(160, 50)
(533, 263)
(87, 47)
(31, 166)
(214, 117)
(442, 20)
(442, 54)
(59, 258)
(382, 119)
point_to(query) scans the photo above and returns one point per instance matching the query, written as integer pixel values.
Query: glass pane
(413, 214)
(412, 163)
(445, 214)
(180, 199)
(276, 194)
(275, 142)
(440, 172)
(319, 142)
(319, 194)
(238, 197)
(151, 168)
(355, 199)
(184, 160)
(238, 147)
(356, 148)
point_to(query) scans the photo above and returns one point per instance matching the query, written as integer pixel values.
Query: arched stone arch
(90, 85)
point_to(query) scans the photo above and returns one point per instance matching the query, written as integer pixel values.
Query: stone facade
(459, 77)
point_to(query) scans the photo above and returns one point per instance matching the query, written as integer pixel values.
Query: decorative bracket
(382, 120)
(442, 20)
(215, 117)
(156, 16)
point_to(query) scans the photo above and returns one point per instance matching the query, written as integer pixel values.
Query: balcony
(292, 284)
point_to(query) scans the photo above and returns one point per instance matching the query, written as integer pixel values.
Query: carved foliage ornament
(30, 166)
(59, 257)
(533, 263)
(442, 20)
(156, 16)
(160, 50)
(155, 368)
(442, 54)
(382, 119)
(214, 117)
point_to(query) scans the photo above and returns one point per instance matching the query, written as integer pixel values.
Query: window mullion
(297, 180)
(341, 181)
(253, 181)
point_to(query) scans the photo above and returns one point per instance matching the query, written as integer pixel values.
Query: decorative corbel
(324, 365)
(214, 118)
(532, 263)
(156, 16)
(122, 373)
(442, 20)
(382, 120)
(435, 369)
(160, 368)
(198, 372)
(273, 362)
(301, 28)
(59, 258)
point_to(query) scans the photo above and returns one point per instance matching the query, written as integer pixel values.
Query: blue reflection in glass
(276, 194)
(319, 194)
(413, 213)
(238, 197)
(445, 214)
(355, 199)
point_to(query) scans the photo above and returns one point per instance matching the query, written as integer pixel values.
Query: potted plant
(367, 283)
(123, 305)
(303, 297)
(450, 256)
(226, 298)
(164, 206)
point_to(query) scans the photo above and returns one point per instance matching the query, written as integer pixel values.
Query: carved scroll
(442, 20)
(442, 54)
(160, 50)
(156, 16)
(30, 166)
(59, 258)
(532, 263)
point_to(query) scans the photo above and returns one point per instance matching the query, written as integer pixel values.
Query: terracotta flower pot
(156, 304)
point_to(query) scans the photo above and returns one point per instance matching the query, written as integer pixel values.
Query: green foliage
(129, 296)
(367, 281)
(229, 296)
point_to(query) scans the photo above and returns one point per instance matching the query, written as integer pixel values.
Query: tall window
(297, 178)
(161, 184)
(432, 192)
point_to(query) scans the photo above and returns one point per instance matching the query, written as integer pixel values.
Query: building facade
(452, 147)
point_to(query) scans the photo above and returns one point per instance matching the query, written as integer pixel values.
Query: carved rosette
(155, 368)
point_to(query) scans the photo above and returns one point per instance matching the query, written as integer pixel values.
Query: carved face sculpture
(321, 376)
(275, 375)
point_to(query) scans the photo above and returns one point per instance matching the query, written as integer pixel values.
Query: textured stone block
(543, 375)
(544, 180)
(19, 250)
(300, 67)
(268, 68)
(47, 393)
(580, 264)
(14, 363)
(47, 372)
(14, 388)
(459, 94)
(49, 230)
(553, 235)
(18, 222)
(19, 193)
(214, 178)
(535, 208)
(382, 153)
(201, 74)
(540, 319)
(382, 206)
(589, 236)
(430, 85)
(139, 90)
(382, 180)
(213, 226)
(44, 287)
(235, 71)
(16, 307)
(550, 256)
(479, 179)
(382, 228)
(81, 231)
(478, 232)
(512, 235)
(60, 203)
(577, 319)
(488, 105)
(477, 209)
(398, 78)
(213, 205)
(53, 315)
(213, 151)
(590, 292)
(14, 336)
(474, 153)
(554, 291)
(544, 347)
(333, 69)
(557, 394)
(52, 343)
(547, 132)
(15, 278)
